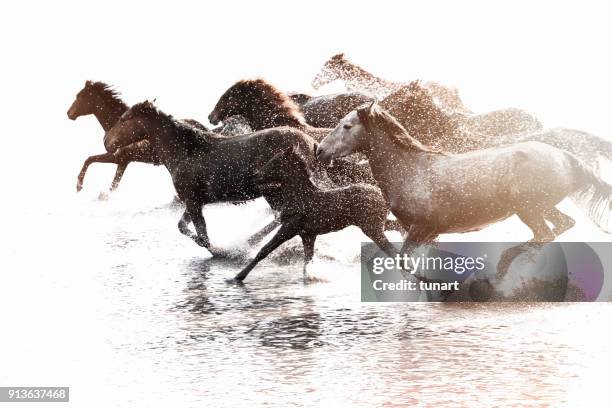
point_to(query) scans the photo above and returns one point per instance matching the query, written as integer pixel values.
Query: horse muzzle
(71, 114)
(323, 156)
(213, 118)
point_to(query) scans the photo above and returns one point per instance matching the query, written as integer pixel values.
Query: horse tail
(587, 147)
(592, 195)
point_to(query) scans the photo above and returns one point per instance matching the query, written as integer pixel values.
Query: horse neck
(170, 145)
(297, 188)
(108, 113)
(274, 116)
(390, 162)
(354, 74)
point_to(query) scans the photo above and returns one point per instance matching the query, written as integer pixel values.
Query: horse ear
(372, 106)
(88, 83)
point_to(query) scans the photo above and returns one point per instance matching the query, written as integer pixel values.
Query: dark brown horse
(309, 211)
(264, 107)
(207, 167)
(105, 103)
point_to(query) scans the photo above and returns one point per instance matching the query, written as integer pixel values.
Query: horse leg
(394, 225)
(537, 224)
(309, 243)
(195, 213)
(261, 234)
(183, 226)
(379, 238)
(285, 233)
(100, 158)
(562, 222)
(118, 175)
(417, 235)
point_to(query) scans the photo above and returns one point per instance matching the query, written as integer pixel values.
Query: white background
(550, 58)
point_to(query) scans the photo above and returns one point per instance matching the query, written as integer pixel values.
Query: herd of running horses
(324, 163)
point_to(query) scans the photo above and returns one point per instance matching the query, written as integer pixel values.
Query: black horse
(207, 167)
(309, 211)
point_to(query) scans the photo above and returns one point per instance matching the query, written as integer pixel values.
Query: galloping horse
(496, 123)
(309, 211)
(414, 107)
(207, 167)
(356, 78)
(102, 101)
(264, 106)
(433, 193)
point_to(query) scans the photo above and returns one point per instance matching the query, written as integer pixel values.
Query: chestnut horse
(105, 103)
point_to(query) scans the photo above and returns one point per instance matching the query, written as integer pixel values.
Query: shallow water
(109, 299)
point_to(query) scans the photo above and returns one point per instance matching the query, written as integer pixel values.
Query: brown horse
(356, 78)
(105, 103)
(265, 107)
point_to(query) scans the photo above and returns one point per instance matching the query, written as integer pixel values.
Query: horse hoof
(481, 290)
(202, 242)
(103, 196)
(234, 281)
(79, 187)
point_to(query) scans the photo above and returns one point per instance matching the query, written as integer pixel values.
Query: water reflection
(160, 311)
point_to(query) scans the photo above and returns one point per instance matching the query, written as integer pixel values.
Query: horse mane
(417, 108)
(107, 92)
(192, 137)
(271, 98)
(374, 116)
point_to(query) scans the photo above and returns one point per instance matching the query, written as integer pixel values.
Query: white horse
(432, 193)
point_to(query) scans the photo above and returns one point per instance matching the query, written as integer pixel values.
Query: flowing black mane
(106, 92)
(374, 117)
(191, 136)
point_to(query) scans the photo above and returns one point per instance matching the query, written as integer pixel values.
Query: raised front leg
(100, 158)
(285, 233)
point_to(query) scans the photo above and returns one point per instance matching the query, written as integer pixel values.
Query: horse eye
(347, 126)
